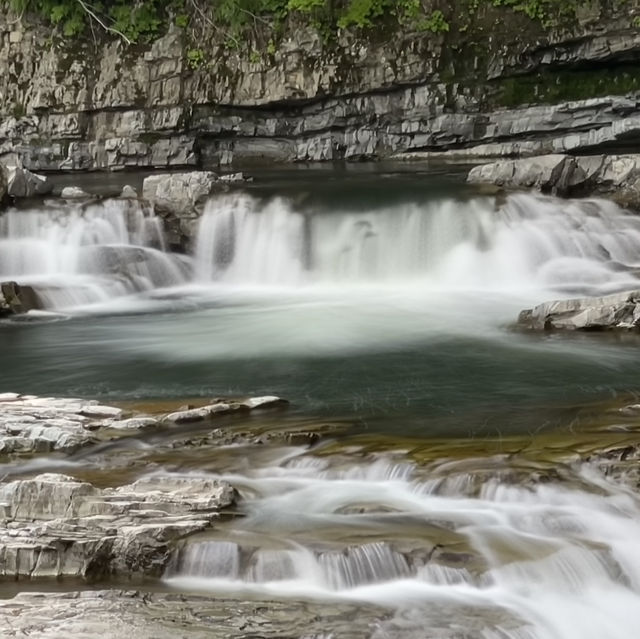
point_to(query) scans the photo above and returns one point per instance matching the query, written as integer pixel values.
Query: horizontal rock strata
(614, 176)
(82, 106)
(56, 526)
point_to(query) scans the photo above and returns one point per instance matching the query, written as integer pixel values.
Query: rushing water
(378, 299)
(448, 546)
(386, 303)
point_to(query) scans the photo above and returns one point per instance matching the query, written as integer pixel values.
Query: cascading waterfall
(525, 241)
(483, 555)
(77, 255)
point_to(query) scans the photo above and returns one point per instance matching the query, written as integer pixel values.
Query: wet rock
(620, 311)
(136, 615)
(221, 407)
(54, 525)
(31, 424)
(16, 299)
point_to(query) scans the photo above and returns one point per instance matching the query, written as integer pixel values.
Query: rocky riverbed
(204, 519)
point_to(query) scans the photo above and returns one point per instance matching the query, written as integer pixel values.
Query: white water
(526, 245)
(496, 559)
(79, 255)
(528, 241)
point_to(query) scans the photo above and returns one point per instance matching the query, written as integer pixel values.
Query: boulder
(180, 194)
(16, 299)
(128, 193)
(74, 193)
(21, 182)
(620, 311)
(56, 526)
(614, 176)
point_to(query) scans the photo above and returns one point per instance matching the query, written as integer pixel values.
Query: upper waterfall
(77, 255)
(524, 241)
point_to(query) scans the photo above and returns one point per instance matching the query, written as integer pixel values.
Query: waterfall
(482, 555)
(77, 255)
(525, 241)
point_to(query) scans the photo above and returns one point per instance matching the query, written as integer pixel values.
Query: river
(383, 298)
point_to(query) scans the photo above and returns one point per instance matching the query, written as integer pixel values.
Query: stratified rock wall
(491, 91)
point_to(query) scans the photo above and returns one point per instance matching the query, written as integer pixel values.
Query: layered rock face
(80, 105)
(613, 176)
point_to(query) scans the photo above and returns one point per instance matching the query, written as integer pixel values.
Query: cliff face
(497, 87)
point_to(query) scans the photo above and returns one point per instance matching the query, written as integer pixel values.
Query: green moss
(562, 86)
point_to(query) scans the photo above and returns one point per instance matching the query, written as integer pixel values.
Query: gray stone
(614, 176)
(73, 193)
(116, 614)
(179, 194)
(23, 183)
(620, 311)
(128, 192)
(55, 526)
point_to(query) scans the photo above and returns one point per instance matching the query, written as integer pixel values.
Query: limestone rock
(128, 192)
(73, 193)
(615, 176)
(23, 183)
(180, 194)
(116, 614)
(31, 424)
(55, 526)
(620, 311)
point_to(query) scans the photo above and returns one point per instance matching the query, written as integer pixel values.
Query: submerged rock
(620, 311)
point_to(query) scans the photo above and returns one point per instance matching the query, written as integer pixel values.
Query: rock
(30, 424)
(615, 176)
(16, 299)
(542, 173)
(269, 401)
(55, 526)
(307, 101)
(23, 183)
(620, 311)
(235, 177)
(128, 192)
(117, 614)
(180, 194)
(73, 193)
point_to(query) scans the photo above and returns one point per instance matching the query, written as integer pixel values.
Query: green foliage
(195, 58)
(182, 20)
